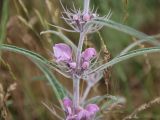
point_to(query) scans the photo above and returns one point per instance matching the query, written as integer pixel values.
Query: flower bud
(67, 105)
(92, 110)
(75, 17)
(88, 54)
(86, 17)
(67, 102)
(85, 65)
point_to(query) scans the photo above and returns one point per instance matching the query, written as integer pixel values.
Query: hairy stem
(76, 77)
(86, 92)
(79, 50)
(86, 6)
(76, 82)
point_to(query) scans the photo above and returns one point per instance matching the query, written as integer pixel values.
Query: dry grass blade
(107, 57)
(142, 108)
(52, 110)
(24, 7)
(3, 20)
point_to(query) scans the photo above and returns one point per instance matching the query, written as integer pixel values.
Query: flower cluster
(87, 113)
(78, 65)
(64, 54)
(78, 19)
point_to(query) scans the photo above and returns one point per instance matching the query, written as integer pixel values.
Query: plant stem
(76, 77)
(76, 82)
(86, 93)
(86, 6)
(79, 50)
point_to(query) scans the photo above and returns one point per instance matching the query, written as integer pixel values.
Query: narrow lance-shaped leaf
(126, 56)
(150, 39)
(25, 52)
(58, 89)
(113, 102)
(41, 63)
(120, 27)
(63, 37)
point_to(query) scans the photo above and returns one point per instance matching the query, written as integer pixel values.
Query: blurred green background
(21, 22)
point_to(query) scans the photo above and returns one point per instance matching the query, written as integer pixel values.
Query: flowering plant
(82, 65)
(79, 63)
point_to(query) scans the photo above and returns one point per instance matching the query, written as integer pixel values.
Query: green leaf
(58, 89)
(115, 100)
(38, 78)
(119, 27)
(4, 20)
(149, 39)
(126, 56)
(25, 52)
(41, 62)
(98, 99)
(63, 37)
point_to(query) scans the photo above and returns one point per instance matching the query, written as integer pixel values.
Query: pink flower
(88, 54)
(62, 52)
(72, 65)
(82, 114)
(67, 103)
(88, 113)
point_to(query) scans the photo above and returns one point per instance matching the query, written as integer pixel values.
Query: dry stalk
(143, 107)
(3, 100)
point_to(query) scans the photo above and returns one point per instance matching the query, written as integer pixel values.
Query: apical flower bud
(75, 17)
(86, 17)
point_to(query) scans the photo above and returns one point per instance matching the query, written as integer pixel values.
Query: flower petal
(62, 52)
(88, 54)
(72, 65)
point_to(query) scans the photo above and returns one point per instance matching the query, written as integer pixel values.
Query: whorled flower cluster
(78, 65)
(78, 20)
(64, 55)
(87, 113)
